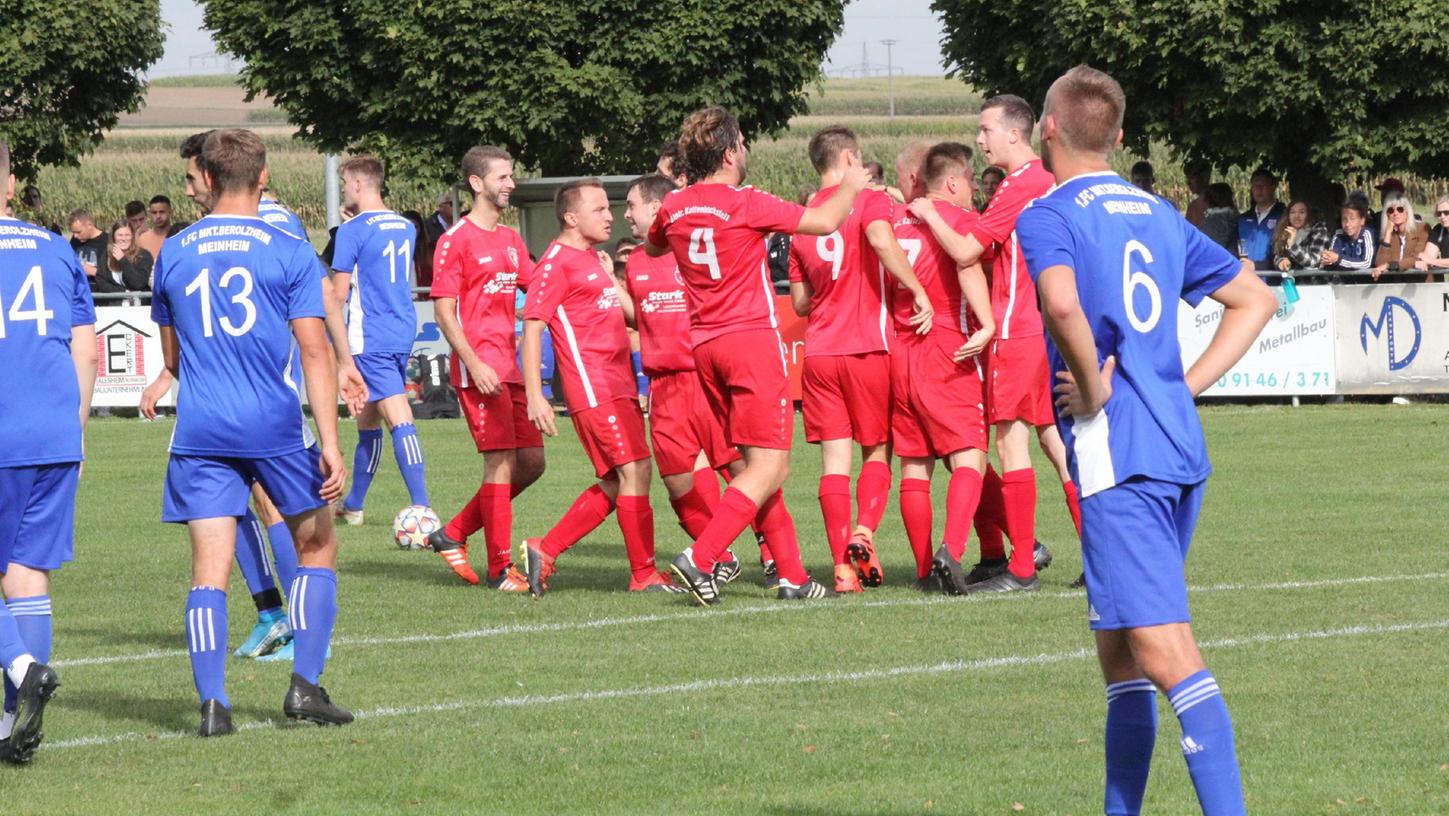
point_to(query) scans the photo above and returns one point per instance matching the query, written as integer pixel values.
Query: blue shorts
(385, 374)
(199, 487)
(37, 515)
(1135, 538)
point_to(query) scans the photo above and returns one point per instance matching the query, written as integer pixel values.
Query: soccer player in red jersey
(839, 281)
(477, 265)
(1018, 387)
(574, 294)
(936, 387)
(716, 230)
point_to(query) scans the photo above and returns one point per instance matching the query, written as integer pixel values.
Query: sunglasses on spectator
(1441, 213)
(1396, 209)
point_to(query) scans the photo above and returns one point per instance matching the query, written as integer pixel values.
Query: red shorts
(612, 434)
(499, 421)
(1019, 382)
(936, 403)
(743, 377)
(681, 425)
(847, 397)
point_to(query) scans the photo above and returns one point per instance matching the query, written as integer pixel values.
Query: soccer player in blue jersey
(47, 334)
(1110, 263)
(230, 293)
(372, 268)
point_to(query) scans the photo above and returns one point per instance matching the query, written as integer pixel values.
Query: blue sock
(206, 642)
(12, 646)
(409, 452)
(1207, 744)
(312, 608)
(1131, 733)
(251, 557)
(284, 552)
(365, 459)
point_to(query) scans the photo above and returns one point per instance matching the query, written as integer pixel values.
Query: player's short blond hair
(368, 168)
(1088, 106)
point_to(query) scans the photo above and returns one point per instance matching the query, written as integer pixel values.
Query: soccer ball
(413, 525)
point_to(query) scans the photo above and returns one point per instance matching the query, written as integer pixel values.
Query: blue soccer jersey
(376, 248)
(1134, 256)
(44, 293)
(229, 285)
(279, 216)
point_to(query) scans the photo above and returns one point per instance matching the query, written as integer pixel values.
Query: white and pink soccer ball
(413, 525)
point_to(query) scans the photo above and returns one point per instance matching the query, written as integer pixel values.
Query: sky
(189, 49)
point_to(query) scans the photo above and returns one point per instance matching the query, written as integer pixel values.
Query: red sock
(469, 519)
(835, 507)
(765, 555)
(777, 525)
(916, 515)
(1074, 505)
(733, 515)
(962, 496)
(991, 517)
(693, 513)
(872, 488)
(1018, 493)
(706, 484)
(496, 504)
(587, 512)
(636, 522)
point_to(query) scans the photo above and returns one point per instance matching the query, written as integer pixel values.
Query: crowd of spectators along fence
(1296, 240)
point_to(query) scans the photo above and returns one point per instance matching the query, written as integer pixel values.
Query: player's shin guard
(694, 514)
(732, 516)
(1018, 493)
(495, 503)
(284, 552)
(206, 642)
(255, 567)
(33, 623)
(587, 512)
(1131, 734)
(312, 608)
(962, 496)
(872, 488)
(636, 522)
(991, 517)
(365, 459)
(917, 518)
(779, 528)
(1207, 744)
(706, 484)
(408, 450)
(1074, 504)
(835, 508)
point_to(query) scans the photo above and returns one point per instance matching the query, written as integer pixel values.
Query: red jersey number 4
(701, 250)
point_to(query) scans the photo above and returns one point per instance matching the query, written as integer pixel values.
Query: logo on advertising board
(1396, 318)
(121, 351)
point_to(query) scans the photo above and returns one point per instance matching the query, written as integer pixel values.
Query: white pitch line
(724, 683)
(759, 609)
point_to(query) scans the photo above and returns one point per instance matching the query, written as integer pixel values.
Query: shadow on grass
(151, 638)
(173, 712)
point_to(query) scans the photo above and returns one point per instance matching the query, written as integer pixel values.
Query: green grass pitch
(1319, 593)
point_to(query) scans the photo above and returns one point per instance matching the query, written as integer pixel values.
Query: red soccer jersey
(935, 269)
(660, 313)
(572, 293)
(1013, 295)
(848, 313)
(717, 233)
(482, 268)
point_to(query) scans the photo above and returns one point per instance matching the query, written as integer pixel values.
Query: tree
(567, 87)
(68, 68)
(1317, 90)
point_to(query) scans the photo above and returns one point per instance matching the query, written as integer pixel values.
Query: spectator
(441, 220)
(34, 205)
(1353, 244)
(136, 216)
(1388, 188)
(1199, 175)
(877, 173)
(991, 178)
(668, 152)
(151, 238)
(1401, 237)
(126, 262)
(422, 253)
(1257, 223)
(89, 244)
(1436, 250)
(1144, 177)
(1220, 221)
(1300, 239)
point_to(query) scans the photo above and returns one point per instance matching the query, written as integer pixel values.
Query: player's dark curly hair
(703, 141)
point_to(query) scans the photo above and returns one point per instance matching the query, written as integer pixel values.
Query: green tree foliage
(566, 86)
(1317, 90)
(68, 68)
